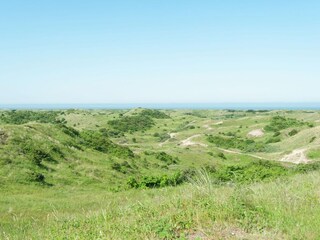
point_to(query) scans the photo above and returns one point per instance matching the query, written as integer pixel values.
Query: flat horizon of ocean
(202, 106)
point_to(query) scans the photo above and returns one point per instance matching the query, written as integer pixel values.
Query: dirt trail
(296, 156)
(241, 153)
(188, 141)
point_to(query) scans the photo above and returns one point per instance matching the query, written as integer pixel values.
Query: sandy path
(241, 153)
(188, 142)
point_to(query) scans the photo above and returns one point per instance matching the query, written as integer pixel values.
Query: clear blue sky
(138, 51)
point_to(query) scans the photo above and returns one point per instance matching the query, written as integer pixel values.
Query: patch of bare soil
(240, 153)
(188, 142)
(207, 126)
(256, 133)
(296, 156)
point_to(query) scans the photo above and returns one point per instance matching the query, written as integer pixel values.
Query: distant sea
(235, 106)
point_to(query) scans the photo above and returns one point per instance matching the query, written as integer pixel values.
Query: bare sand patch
(296, 156)
(188, 141)
(207, 126)
(256, 133)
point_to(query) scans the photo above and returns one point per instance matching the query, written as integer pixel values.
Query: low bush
(154, 114)
(164, 157)
(247, 145)
(252, 172)
(279, 123)
(221, 155)
(273, 140)
(100, 142)
(293, 132)
(123, 167)
(159, 181)
(132, 123)
(24, 116)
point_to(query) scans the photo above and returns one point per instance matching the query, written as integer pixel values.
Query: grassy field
(169, 174)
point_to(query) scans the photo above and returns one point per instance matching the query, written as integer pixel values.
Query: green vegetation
(279, 123)
(293, 132)
(159, 174)
(132, 123)
(154, 114)
(246, 145)
(23, 116)
(252, 172)
(159, 181)
(100, 142)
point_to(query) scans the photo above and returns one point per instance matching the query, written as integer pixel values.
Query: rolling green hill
(159, 174)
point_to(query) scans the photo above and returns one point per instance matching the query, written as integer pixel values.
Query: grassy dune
(173, 174)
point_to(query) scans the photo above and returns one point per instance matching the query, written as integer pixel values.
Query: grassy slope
(80, 203)
(275, 210)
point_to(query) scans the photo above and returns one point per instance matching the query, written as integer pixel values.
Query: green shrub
(25, 116)
(123, 167)
(292, 132)
(276, 134)
(154, 114)
(247, 145)
(162, 156)
(252, 172)
(162, 137)
(273, 140)
(304, 168)
(132, 123)
(312, 139)
(221, 155)
(100, 142)
(279, 123)
(159, 181)
(37, 177)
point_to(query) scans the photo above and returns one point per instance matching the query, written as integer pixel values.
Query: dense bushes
(292, 132)
(274, 140)
(246, 145)
(140, 122)
(164, 157)
(24, 116)
(38, 152)
(123, 167)
(162, 136)
(154, 114)
(100, 142)
(279, 123)
(252, 172)
(159, 181)
(132, 123)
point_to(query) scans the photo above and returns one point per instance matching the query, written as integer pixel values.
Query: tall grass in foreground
(286, 208)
